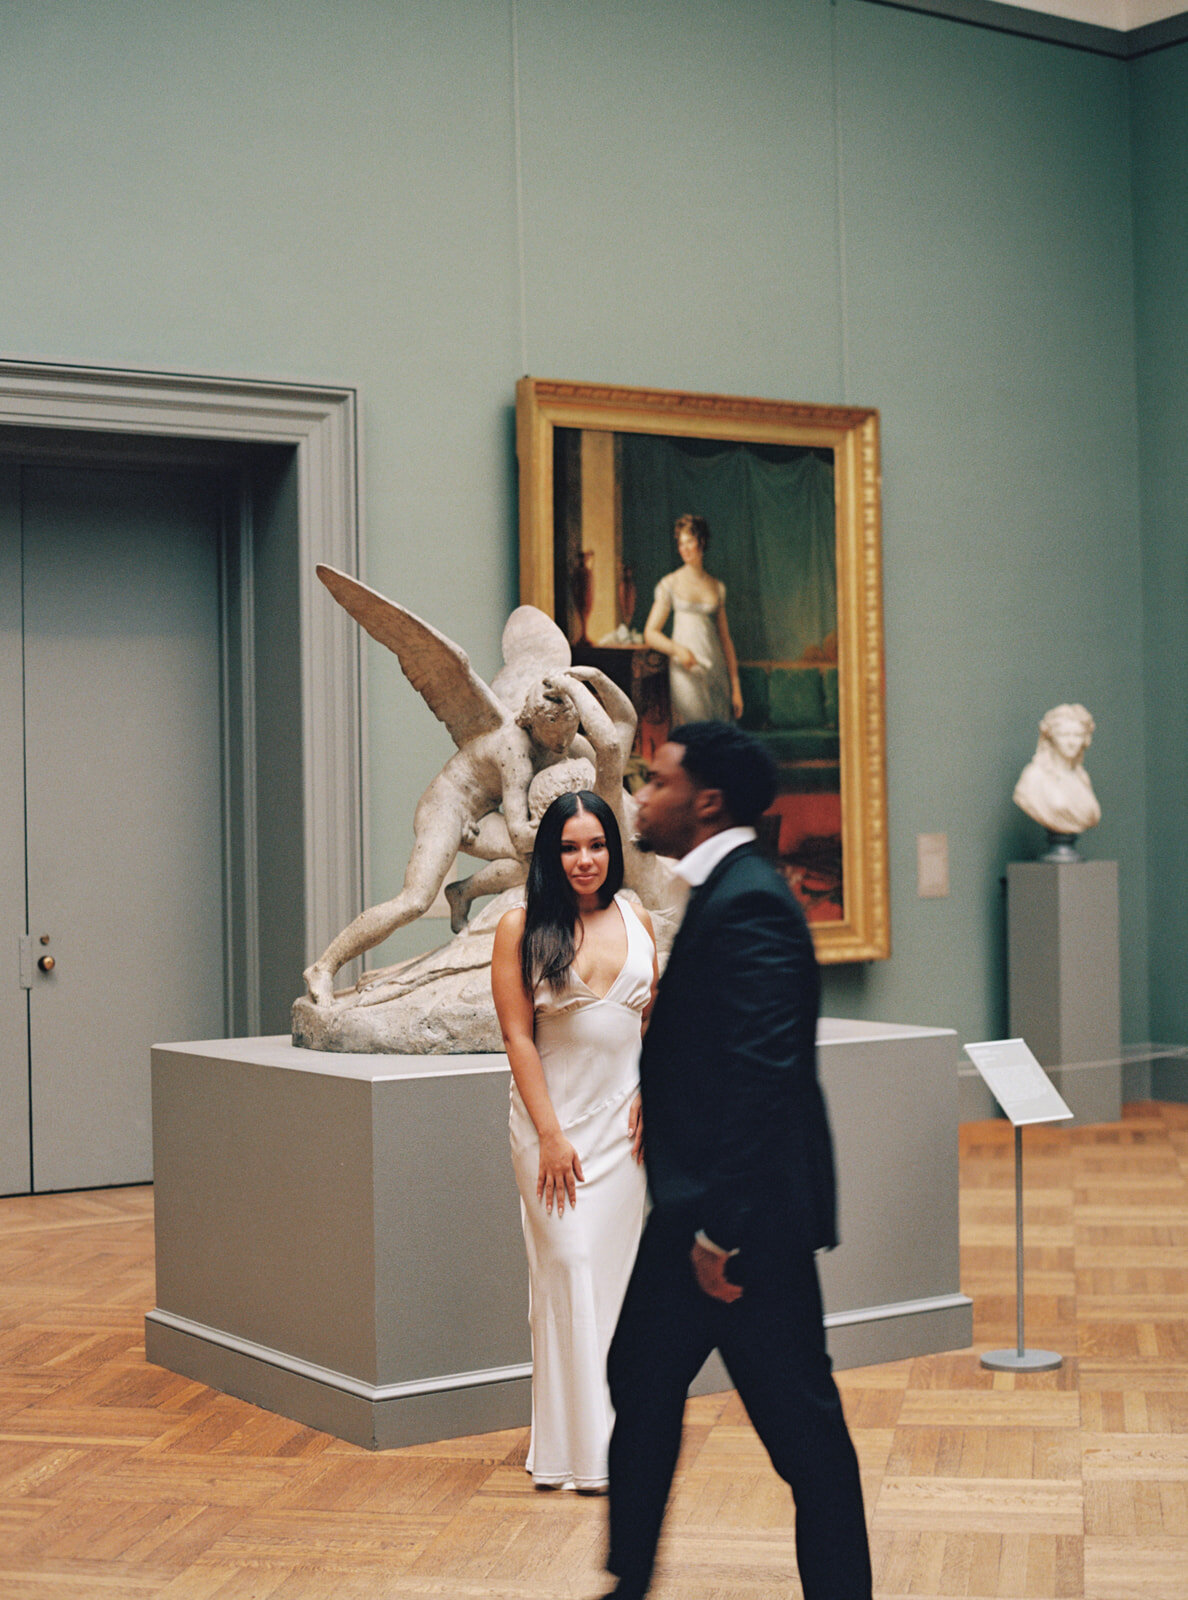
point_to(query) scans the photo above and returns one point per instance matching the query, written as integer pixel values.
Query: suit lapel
(699, 896)
(684, 967)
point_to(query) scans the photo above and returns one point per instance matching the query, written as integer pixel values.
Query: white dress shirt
(696, 867)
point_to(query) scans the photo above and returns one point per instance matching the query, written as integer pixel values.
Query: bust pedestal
(1065, 988)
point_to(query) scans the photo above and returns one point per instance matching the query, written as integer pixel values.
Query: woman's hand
(736, 700)
(684, 657)
(635, 1129)
(560, 1172)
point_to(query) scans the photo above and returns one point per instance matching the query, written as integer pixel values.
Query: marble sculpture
(1054, 788)
(541, 727)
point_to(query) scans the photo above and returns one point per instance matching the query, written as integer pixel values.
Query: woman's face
(689, 547)
(585, 858)
(1069, 737)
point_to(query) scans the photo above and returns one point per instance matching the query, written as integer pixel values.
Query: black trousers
(773, 1343)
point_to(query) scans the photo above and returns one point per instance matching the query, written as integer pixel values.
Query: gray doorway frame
(320, 424)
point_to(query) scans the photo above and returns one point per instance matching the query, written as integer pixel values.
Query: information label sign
(1017, 1081)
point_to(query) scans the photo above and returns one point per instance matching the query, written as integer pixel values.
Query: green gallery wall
(1160, 140)
(980, 234)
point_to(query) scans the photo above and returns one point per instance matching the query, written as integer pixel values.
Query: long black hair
(547, 947)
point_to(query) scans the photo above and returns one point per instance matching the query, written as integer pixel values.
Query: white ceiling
(1121, 14)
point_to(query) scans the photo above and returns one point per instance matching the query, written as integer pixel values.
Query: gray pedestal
(1065, 988)
(338, 1236)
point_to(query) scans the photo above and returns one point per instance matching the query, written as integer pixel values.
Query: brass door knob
(46, 963)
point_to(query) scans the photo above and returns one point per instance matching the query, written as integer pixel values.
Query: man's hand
(709, 1267)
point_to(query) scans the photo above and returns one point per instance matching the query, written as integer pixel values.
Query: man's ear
(709, 805)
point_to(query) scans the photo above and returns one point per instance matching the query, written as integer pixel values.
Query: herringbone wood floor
(118, 1479)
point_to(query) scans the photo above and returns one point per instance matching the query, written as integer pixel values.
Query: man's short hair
(720, 756)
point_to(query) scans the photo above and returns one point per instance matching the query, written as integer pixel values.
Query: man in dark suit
(740, 1166)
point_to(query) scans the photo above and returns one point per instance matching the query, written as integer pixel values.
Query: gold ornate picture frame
(604, 470)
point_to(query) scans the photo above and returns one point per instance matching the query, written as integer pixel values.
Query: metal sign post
(1027, 1095)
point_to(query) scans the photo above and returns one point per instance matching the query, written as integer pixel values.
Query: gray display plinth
(338, 1236)
(1064, 976)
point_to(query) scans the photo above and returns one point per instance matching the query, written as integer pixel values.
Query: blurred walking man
(740, 1166)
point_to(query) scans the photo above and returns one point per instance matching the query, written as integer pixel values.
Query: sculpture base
(434, 1020)
(338, 1236)
(435, 1004)
(1062, 848)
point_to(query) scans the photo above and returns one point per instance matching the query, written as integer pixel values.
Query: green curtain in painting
(772, 534)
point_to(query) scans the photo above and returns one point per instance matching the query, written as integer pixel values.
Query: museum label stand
(1026, 1094)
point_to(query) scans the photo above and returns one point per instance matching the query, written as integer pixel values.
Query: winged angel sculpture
(542, 727)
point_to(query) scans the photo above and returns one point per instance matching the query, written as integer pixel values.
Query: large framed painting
(775, 616)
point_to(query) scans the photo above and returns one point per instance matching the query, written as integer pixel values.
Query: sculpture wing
(438, 669)
(533, 647)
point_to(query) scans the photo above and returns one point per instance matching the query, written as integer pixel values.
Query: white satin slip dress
(579, 1262)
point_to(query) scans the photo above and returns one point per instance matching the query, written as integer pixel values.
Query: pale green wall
(774, 197)
(1161, 195)
(988, 228)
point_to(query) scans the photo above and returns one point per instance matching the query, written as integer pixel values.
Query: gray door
(15, 1169)
(122, 803)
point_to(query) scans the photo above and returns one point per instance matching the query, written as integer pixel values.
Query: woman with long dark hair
(574, 975)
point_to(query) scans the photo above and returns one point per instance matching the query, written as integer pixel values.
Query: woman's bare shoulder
(641, 911)
(510, 927)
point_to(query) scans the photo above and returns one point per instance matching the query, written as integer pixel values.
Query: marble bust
(1054, 788)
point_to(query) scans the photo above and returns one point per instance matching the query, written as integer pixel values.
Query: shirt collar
(696, 867)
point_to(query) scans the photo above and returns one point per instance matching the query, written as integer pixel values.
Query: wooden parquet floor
(119, 1480)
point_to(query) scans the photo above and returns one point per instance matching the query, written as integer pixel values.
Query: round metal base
(1029, 1361)
(1061, 847)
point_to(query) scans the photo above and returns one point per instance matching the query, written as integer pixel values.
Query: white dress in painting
(702, 693)
(579, 1262)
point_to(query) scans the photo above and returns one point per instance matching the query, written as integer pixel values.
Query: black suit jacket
(735, 1129)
